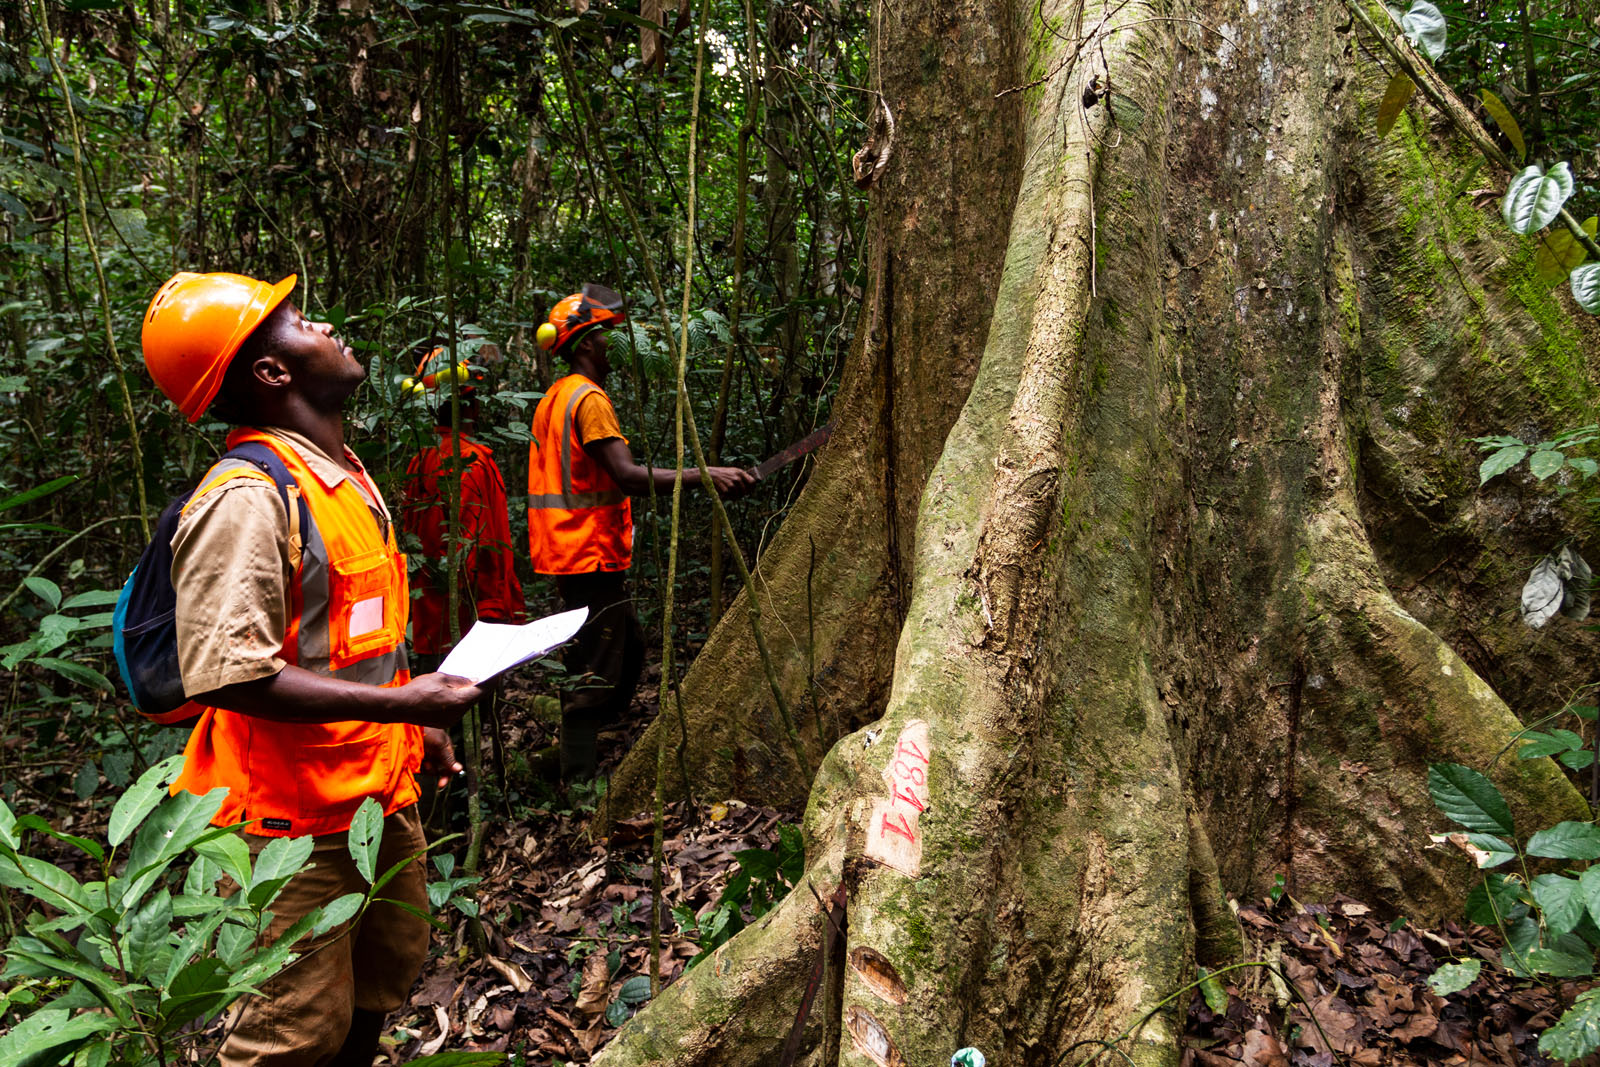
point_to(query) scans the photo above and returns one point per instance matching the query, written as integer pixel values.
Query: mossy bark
(1168, 631)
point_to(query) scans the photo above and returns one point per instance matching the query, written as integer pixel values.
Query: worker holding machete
(580, 523)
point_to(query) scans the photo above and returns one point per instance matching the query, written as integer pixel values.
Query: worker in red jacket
(489, 589)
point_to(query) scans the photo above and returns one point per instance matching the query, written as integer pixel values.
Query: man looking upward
(291, 644)
(580, 522)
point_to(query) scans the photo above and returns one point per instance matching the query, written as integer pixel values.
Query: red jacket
(489, 586)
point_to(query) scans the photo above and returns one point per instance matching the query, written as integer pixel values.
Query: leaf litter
(1361, 996)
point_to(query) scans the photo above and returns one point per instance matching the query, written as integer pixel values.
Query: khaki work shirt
(230, 571)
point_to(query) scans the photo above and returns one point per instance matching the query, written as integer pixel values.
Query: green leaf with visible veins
(1501, 461)
(1577, 1033)
(1470, 799)
(1567, 841)
(1454, 977)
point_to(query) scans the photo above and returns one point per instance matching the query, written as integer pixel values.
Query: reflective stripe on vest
(579, 520)
(348, 602)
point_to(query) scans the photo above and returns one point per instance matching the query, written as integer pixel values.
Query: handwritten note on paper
(491, 648)
(894, 837)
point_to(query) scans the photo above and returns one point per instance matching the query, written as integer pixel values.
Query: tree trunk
(940, 221)
(1180, 573)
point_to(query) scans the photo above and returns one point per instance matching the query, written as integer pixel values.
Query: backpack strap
(294, 505)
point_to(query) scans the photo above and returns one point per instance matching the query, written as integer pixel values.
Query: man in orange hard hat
(580, 522)
(292, 641)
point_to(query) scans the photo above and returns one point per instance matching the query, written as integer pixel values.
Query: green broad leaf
(1587, 712)
(8, 827)
(1543, 464)
(1495, 900)
(1577, 759)
(177, 825)
(44, 589)
(1395, 99)
(1537, 745)
(366, 834)
(1585, 283)
(1577, 1033)
(201, 881)
(1535, 197)
(149, 933)
(87, 780)
(1559, 963)
(44, 882)
(1559, 253)
(336, 912)
(233, 941)
(1425, 25)
(1584, 466)
(1497, 851)
(616, 1013)
(1589, 891)
(282, 857)
(1567, 841)
(1569, 739)
(197, 939)
(94, 1054)
(231, 854)
(1559, 900)
(460, 1059)
(634, 991)
(1215, 996)
(1470, 799)
(51, 1036)
(1501, 461)
(200, 990)
(141, 799)
(445, 864)
(1502, 118)
(95, 598)
(1454, 977)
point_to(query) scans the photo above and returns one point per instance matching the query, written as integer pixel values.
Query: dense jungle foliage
(433, 172)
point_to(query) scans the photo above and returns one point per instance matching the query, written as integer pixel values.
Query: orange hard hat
(435, 372)
(575, 315)
(195, 325)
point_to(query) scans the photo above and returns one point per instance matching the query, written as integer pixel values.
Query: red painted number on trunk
(910, 798)
(907, 746)
(904, 829)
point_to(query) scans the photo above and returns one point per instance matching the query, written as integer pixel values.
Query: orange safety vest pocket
(334, 779)
(366, 607)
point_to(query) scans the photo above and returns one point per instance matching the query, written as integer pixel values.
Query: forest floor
(566, 919)
(569, 921)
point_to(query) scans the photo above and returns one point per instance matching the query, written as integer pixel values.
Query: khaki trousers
(304, 1013)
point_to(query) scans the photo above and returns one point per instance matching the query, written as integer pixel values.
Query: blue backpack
(144, 625)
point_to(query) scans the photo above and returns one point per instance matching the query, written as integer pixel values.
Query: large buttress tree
(1152, 473)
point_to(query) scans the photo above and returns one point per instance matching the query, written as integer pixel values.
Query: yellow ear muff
(546, 335)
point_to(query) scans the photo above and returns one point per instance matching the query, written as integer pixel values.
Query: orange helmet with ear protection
(573, 316)
(435, 372)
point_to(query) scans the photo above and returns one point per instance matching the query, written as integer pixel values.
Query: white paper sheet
(493, 647)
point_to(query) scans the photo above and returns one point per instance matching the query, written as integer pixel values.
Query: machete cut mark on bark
(878, 973)
(894, 838)
(870, 1038)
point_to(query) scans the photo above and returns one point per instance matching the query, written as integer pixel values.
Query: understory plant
(128, 964)
(765, 877)
(1549, 921)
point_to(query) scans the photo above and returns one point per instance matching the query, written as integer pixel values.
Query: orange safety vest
(579, 521)
(348, 600)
